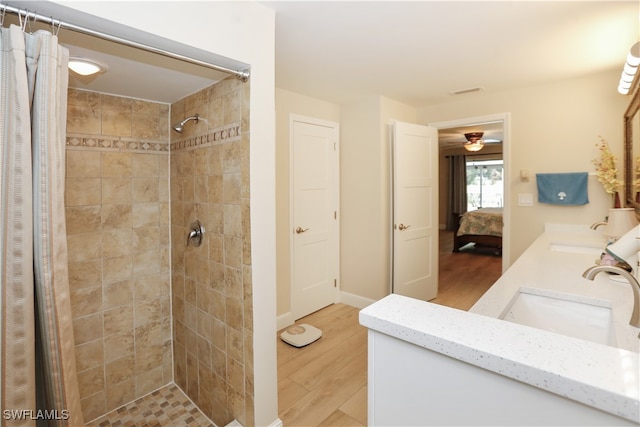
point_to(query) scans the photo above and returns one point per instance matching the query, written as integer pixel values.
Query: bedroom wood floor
(464, 276)
(325, 384)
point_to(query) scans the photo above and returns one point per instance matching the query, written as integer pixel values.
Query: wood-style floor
(325, 383)
(466, 275)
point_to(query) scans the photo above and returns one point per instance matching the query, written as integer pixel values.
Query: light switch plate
(525, 199)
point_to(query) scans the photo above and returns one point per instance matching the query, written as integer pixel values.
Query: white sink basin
(579, 317)
(575, 248)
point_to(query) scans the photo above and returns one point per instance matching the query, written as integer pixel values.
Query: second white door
(415, 211)
(314, 205)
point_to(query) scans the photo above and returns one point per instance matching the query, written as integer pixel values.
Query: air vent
(461, 91)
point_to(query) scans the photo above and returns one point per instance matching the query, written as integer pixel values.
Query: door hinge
(335, 283)
(335, 214)
(334, 146)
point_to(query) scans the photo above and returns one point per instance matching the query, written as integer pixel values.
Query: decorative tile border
(115, 143)
(228, 133)
(222, 134)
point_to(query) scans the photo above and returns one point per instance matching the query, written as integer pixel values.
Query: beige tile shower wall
(212, 295)
(117, 198)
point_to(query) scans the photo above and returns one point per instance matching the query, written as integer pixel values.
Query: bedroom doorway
(489, 163)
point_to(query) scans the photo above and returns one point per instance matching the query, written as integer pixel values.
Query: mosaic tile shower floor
(167, 406)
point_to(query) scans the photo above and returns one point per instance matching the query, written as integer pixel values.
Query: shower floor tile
(167, 406)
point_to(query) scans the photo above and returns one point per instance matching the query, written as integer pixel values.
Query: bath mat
(301, 335)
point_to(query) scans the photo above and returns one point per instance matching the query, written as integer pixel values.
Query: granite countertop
(604, 377)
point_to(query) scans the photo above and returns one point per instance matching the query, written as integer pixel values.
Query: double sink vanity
(546, 290)
(543, 346)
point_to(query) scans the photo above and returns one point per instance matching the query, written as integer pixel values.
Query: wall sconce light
(474, 141)
(86, 67)
(630, 69)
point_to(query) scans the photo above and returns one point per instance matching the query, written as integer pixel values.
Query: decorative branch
(606, 168)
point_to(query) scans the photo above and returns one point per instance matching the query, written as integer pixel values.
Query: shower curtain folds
(33, 247)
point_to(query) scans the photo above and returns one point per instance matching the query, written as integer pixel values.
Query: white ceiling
(417, 52)
(414, 52)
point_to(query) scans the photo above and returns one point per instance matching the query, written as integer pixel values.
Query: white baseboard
(284, 320)
(355, 300)
(276, 423)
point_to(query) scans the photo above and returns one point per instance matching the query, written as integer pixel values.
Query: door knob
(301, 230)
(403, 227)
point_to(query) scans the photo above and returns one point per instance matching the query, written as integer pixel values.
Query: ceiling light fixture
(86, 67)
(474, 141)
(630, 69)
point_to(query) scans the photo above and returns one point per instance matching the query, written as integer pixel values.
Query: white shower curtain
(35, 303)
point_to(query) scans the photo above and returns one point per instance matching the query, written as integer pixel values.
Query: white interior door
(315, 227)
(415, 211)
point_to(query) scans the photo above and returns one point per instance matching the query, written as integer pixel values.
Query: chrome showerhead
(179, 127)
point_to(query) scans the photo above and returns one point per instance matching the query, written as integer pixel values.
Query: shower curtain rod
(241, 74)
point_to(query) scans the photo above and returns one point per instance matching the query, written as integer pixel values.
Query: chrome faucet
(591, 272)
(196, 233)
(595, 225)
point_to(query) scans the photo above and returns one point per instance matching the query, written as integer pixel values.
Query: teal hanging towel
(568, 189)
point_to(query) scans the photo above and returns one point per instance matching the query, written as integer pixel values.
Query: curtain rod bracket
(243, 75)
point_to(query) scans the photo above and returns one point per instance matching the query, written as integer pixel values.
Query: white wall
(288, 103)
(245, 32)
(365, 196)
(554, 128)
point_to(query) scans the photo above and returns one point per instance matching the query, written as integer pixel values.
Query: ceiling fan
(474, 141)
(486, 133)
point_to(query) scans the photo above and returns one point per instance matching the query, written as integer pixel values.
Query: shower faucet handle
(196, 233)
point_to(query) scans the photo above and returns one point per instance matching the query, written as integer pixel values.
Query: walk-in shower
(135, 324)
(179, 127)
